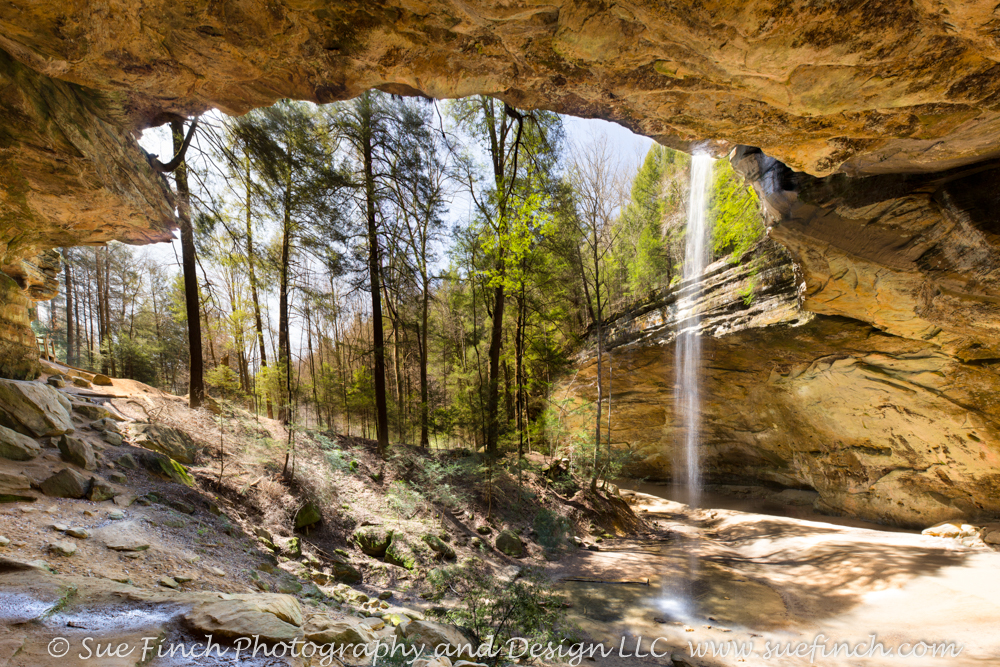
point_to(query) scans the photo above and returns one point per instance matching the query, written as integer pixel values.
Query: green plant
(552, 528)
(489, 606)
(405, 500)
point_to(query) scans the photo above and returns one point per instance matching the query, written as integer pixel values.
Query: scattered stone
(168, 582)
(124, 499)
(183, 578)
(476, 543)
(181, 506)
(33, 408)
(62, 548)
(91, 410)
(217, 571)
(77, 452)
(432, 635)
(100, 490)
(943, 530)
(116, 515)
(78, 533)
(56, 381)
(17, 447)
(106, 424)
(484, 530)
(81, 382)
(992, 537)
(374, 623)
(15, 488)
(172, 442)
(385, 595)
(102, 380)
(118, 478)
(122, 543)
(67, 483)
(307, 515)
(322, 629)
(4, 541)
(292, 547)
(287, 583)
(345, 572)
(112, 438)
(127, 461)
(438, 546)
(59, 527)
(373, 540)
(509, 543)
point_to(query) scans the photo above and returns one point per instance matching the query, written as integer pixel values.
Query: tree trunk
(258, 322)
(374, 271)
(422, 341)
(196, 386)
(284, 344)
(70, 324)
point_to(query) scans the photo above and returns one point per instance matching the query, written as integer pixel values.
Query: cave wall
(884, 427)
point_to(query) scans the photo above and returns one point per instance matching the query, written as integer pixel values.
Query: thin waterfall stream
(688, 359)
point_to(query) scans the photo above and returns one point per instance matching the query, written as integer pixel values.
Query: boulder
(437, 637)
(273, 618)
(56, 381)
(33, 408)
(106, 424)
(946, 529)
(62, 548)
(17, 447)
(112, 438)
(15, 488)
(81, 382)
(287, 583)
(438, 546)
(400, 552)
(118, 478)
(127, 462)
(102, 380)
(67, 483)
(509, 543)
(77, 452)
(373, 540)
(91, 410)
(345, 572)
(101, 490)
(175, 443)
(323, 629)
(307, 515)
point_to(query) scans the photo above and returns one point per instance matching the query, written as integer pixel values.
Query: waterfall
(688, 347)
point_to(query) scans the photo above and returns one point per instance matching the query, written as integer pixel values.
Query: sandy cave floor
(721, 575)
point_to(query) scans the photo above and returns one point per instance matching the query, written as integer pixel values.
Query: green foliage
(224, 381)
(491, 606)
(552, 528)
(404, 499)
(734, 213)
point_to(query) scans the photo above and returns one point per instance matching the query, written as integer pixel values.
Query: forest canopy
(410, 271)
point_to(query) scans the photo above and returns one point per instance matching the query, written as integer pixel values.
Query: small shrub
(552, 528)
(404, 500)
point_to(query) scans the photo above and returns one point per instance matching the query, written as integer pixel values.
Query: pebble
(78, 533)
(116, 515)
(89, 513)
(62, 528)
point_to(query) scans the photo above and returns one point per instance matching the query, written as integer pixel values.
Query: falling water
(688, 338)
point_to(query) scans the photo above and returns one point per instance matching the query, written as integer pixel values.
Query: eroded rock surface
(883, 427)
